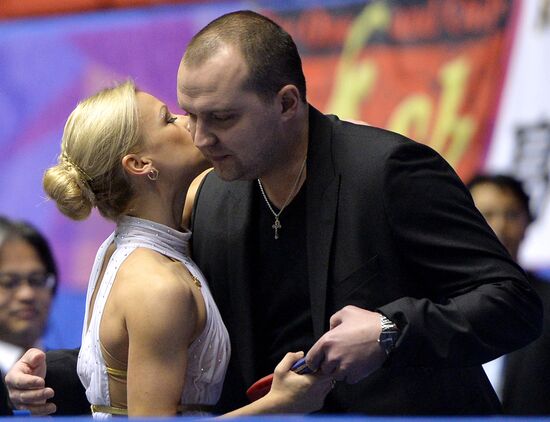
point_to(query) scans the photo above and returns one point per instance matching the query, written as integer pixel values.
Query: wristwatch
(389, 335)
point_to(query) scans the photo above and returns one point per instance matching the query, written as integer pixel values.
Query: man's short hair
(268, 50)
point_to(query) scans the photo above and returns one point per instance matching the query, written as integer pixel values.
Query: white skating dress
(208, 354)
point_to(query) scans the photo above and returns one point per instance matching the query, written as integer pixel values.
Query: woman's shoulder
(190, 198)
(155, 294)
(149, 275)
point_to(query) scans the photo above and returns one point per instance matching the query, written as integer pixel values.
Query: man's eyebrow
(211, 111)
(223, 110)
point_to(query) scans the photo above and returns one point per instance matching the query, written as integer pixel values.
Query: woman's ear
(133, 164)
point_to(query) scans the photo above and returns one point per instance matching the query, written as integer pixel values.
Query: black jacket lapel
(322, 200)
(240, 278)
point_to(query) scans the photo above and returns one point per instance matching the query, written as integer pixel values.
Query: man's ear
(133, 164)
(289, 98)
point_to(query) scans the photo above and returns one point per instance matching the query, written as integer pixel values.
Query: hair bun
(65, 184)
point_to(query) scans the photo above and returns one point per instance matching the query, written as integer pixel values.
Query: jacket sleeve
(5, 409)
(476, 303)
(70, 396)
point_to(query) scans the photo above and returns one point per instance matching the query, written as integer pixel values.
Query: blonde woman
(153, 341)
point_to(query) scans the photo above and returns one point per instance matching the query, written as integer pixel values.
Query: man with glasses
(27, 285)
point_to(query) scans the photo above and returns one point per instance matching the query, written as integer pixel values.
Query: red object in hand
(260, 388)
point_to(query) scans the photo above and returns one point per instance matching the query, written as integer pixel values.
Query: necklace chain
(277, 223)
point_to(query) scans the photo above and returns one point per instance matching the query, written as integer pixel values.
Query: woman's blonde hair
(100, 131)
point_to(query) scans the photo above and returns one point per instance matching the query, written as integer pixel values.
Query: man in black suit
(347, 241)
(521, 377)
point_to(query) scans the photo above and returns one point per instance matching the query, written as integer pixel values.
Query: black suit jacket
(70, 396)
(5, 408)
(390, 227)
(526, 384)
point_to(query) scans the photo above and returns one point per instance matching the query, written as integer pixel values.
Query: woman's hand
(294, 393)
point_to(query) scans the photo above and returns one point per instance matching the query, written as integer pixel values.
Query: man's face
(504, 212)
(23, 309)
(232, 126)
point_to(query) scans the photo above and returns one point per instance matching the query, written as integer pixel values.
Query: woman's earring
(153, 174)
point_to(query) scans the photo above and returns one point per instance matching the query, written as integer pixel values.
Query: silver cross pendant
(276, 226)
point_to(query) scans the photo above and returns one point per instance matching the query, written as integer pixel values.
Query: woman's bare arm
(290, 392)
(161, 319)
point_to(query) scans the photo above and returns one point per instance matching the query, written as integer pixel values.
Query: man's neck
(284, 180)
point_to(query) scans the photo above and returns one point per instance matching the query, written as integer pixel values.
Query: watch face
(388, 340)
(389, 334)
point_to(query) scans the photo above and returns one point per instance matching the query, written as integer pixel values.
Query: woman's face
(167, 142)
(24, 309)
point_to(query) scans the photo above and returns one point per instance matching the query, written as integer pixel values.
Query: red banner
(430, 70)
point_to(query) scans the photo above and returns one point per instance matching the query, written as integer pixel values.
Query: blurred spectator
(522, 378)
(28, 280)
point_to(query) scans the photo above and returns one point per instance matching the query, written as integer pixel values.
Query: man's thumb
(36, 360)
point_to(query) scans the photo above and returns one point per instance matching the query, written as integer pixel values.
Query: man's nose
(25, 291)
(202, 135)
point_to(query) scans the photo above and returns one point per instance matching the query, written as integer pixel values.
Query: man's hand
(349, 351)
(25, 382)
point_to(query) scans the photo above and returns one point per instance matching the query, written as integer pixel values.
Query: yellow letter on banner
(454, 78)
(355, 79)
(412, 117)
(452, 133)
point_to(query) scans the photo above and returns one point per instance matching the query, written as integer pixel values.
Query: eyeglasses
(11, 281)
